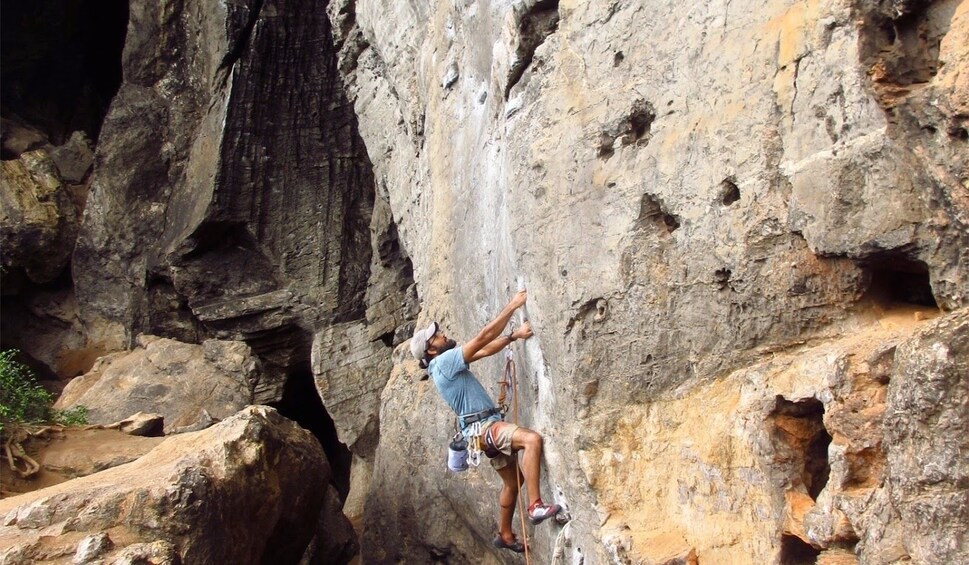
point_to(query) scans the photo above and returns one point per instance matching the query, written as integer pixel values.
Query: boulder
(247, 490)
(184, 383)
(38, 219)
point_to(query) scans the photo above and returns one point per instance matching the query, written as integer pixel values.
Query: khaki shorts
(502, 438)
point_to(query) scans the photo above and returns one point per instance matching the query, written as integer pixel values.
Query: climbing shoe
(538, 512)
(516, 546)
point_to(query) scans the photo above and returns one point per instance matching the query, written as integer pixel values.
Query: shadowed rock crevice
(538, 21)
(801, 442)
(169, 312)
(301, 403)
(653, 215)
(794, 551)
(240, 43)
(900, 48)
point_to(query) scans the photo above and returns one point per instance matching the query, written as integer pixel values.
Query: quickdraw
(508, 383)
(474, 449)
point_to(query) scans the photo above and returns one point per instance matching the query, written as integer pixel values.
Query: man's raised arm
(523, 331)
(494, 328)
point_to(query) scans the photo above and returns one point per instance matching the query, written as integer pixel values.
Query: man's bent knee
(528, 439)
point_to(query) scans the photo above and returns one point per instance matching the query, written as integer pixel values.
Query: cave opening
(894, 279)
(795, 551)
(61, 66)
(302, 404)
(801, 439)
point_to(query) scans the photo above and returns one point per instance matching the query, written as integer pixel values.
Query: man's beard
(448, 346)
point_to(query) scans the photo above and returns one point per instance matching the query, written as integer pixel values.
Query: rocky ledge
(252, 488)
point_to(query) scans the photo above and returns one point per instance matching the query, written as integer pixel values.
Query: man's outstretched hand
(519, 299)
(523, 331)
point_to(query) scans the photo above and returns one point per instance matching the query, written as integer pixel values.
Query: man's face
(439, 343)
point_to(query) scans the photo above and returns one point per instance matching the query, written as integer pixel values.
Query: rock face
(742, 225)
(684, 191)
(245, 491)
(184, 383)
(925, 420)
(250, 130)
(37, 217)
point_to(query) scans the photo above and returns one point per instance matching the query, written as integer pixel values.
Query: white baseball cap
(418, 343)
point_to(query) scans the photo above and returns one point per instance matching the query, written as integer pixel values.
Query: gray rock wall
(232, 196)
(683, 190)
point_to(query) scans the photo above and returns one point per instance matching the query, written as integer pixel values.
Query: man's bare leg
(530, 442)
(507, 499)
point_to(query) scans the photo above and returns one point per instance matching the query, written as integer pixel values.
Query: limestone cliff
(742, 225)
(685, 191)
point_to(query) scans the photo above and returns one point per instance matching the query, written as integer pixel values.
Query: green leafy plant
(76, 416)
(23, 401)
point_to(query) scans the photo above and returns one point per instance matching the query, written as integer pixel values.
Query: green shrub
(76, 416)
(24, 401)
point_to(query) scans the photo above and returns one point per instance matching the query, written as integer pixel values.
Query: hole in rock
(794, 551)
(959, 133)
(671, 223)
(618, 58)
(729, 192)
(61, 66)
(633, 128)
(302, 404)
(894, 278)
(653, 213)
(641, 119)
(801, 442)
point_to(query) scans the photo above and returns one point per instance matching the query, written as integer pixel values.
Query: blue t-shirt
(458, 385)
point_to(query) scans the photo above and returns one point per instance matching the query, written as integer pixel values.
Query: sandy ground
(68, 453)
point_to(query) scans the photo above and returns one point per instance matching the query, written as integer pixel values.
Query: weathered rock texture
(37, 217)
(685, 190)
(232, 197)
(720, 210)
(246, 491)
(184, 383)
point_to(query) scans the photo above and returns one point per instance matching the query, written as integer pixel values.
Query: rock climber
(480, 418)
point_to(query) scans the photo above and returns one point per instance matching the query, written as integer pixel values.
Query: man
(448, 366)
